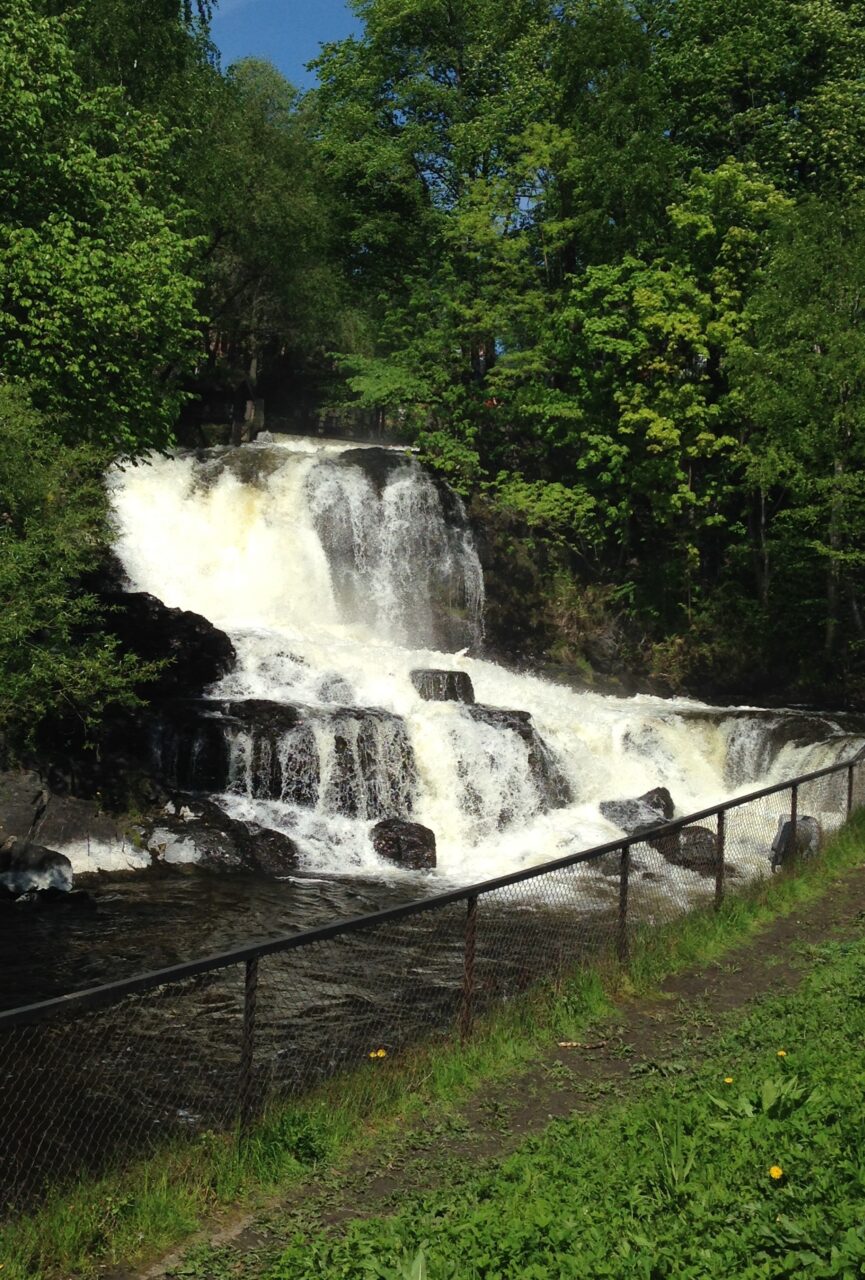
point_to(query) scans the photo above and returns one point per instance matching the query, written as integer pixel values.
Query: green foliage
(96, 303)
(563, 225)
(53, 660)
(660, 1186)
(799, 366)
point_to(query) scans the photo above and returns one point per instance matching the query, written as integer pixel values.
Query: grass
(751, 1166)
(160, 1202)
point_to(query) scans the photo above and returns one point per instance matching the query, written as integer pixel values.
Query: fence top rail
(112, 992)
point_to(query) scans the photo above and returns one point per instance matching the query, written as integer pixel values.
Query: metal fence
(101, 1077)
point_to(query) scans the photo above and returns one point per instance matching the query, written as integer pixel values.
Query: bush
(54, 659)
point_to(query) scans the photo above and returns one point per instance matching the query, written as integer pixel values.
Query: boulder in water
(270, 852)
(26, 867)
(659, 799)
(203, 835)
(444, 686)
(407, 844)
(786, 848)
(695, 848)
(634, 816)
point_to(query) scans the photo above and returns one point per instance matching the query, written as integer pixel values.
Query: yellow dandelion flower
(374, 1053)
(728, 1079)
(782, 1053)
(776, 1173)
(381, 1053)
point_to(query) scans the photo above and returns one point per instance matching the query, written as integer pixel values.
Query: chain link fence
(95, 1080)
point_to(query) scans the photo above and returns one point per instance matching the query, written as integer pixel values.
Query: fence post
(247, 1048)
(794, 818)
(850, 790)
(622, 948)
(719, 854)
(467, 1010)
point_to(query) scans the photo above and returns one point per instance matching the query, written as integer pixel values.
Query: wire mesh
(348, 1004)
(87, 1091)
(90, 1087)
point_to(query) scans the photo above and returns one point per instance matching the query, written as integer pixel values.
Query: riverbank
(344, 1131)
(694, 1140)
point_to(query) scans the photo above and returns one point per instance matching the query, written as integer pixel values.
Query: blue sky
(287, 32)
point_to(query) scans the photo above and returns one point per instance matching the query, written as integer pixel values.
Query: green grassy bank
(163, 1200)
(750, 1167)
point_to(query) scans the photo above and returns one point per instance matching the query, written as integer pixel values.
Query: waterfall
(342, 573)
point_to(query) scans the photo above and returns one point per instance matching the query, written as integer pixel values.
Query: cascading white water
(337, 576)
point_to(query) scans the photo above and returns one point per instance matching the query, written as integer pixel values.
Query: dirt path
(661, 1035)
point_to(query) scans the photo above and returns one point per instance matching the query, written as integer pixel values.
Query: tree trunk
(833, 574)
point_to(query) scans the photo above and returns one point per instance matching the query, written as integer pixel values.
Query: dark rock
(786, 848)
(221, 843)
(27, 867)
(693, 847)
(444, 686)
(218, 840)
(190, 747)
(552, 785)
(270, 852)
(379, 465)
(659, 799)
(198, 652)
(646, 811)
(407, 844)
(270, 751)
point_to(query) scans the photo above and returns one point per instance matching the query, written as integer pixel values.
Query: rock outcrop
(545, 769)
(407, 844)
(273, 751)
(197, 652)
(444, 686)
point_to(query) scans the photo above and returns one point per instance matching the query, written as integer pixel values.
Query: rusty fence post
(850, 790)
(720, 845)
(471, 938)
(247, 1048)
(622, 948)
(794, 819)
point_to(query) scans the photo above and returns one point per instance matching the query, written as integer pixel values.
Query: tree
(54, 660)
(777, 83)
(268, 284)
(800, 367)
(96, 297)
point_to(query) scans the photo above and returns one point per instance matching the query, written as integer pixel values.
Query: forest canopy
(601, 261)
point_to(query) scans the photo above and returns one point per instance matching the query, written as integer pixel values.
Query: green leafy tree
(96, 300)
(54, 660)
(800, 368)
(269, 285)
(778, 83)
